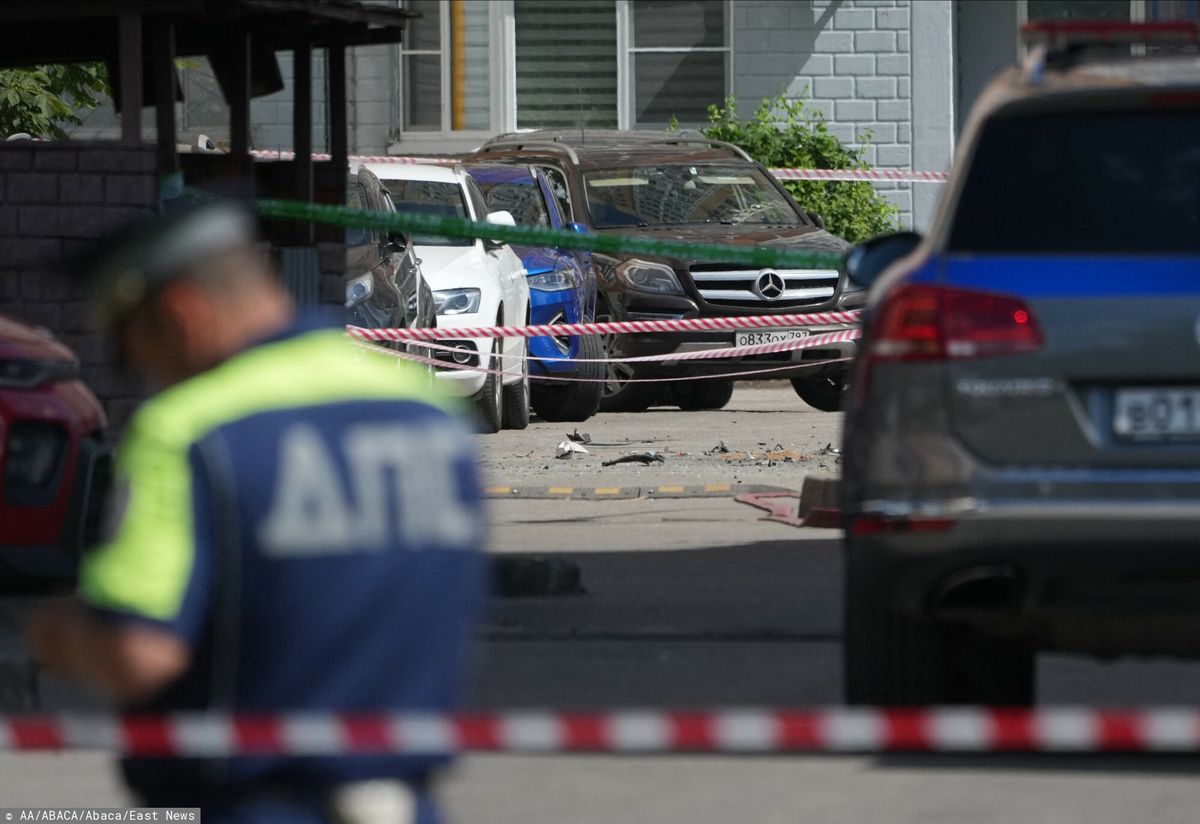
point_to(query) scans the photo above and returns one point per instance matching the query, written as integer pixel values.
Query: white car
(474, 283)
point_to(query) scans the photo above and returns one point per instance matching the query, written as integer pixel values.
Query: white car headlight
(456, 301)
(359, 289)
(649, 277)
(565, 276)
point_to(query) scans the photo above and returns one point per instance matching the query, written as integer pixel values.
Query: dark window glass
(679, 194)
(558, 185)
(429, 198)
(678, 24)
(356, 198)
(1083, 183)
(677, 86)
(524, 200)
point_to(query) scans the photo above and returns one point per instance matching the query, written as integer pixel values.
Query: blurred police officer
(296, 527)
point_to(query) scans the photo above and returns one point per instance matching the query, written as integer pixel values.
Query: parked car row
(652, 185)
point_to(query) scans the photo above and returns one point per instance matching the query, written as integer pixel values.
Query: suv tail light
(919, 322)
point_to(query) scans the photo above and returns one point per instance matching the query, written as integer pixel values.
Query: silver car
(1022, 438)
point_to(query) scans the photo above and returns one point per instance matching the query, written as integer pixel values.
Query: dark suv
(681, 188)
(1022, 445)
(384, 286)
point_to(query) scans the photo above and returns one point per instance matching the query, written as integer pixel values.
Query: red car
(54, 459)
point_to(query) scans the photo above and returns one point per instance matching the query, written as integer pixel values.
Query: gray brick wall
(55, 199)
(851, 59)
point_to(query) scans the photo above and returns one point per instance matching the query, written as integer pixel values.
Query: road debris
(579, 437)
(644, 458)
(568, 449)
(830, 449)
(720, 448)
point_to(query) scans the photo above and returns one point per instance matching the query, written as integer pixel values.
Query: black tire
(824, 394)
(570, 400)
(622, 392)
(891, 661)
(694, 396)
(490, 404)
(516, 399)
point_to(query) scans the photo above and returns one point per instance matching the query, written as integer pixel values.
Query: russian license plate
(768, 336)
(1157, 414)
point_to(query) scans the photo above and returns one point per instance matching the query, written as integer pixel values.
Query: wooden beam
(130, 62)
(162, 55)
(302, 126)
(338, 135)
(239, 97)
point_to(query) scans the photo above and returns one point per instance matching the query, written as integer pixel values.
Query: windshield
(678, 194)
(430, 198)
(523, 199)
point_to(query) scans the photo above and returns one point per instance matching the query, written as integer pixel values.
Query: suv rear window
(1081, 183)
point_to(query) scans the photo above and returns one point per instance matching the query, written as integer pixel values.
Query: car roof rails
(700, 141)
(505, 143)
(1062, 43)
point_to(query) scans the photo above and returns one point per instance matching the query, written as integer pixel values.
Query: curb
(595, 493)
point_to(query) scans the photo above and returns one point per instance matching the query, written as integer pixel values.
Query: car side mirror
(865, 262)
(816, 219)
(501, 218)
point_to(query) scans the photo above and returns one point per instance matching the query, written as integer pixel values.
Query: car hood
(537, 259)
(797, 238)
(447, 267)
(21, 342)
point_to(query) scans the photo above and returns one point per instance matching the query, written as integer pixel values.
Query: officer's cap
(136, 262)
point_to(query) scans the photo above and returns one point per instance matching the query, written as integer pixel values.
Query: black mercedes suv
(676, 187)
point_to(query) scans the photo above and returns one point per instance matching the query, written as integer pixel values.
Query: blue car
(562, 289)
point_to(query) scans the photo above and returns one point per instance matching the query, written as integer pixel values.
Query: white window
(679, 60)
(485, 66)
(445, 66)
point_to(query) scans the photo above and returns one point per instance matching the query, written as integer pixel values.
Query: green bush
(784, 133)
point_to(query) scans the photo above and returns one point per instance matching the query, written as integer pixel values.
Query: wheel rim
(525, 374)
(616, 375)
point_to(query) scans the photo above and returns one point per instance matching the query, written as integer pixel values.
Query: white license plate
(1157, 414)
(768, 336)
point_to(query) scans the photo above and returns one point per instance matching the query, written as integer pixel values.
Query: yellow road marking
(497, 490)
(560, 490)
(608, 490)
(717, 488)
(674, 489)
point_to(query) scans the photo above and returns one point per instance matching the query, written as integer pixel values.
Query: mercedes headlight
(649, 277)
(456, 301)
(359, 289)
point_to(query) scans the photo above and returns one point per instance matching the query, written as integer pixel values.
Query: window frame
(502, 64)
(627, 49)
(500, 58)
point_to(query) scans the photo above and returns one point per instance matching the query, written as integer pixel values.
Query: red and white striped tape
(813, 341)
(834, 729)
(463, 367)
(871, 175)
(609, 327)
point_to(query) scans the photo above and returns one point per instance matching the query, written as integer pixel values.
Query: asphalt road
(694, 602)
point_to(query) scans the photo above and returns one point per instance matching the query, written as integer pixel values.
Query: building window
(444, 63)
(680, 60)
(566, 62)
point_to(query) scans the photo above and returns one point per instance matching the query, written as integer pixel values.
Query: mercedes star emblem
(770, 285)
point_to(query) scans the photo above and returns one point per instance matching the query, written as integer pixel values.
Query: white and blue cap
(135, 263)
